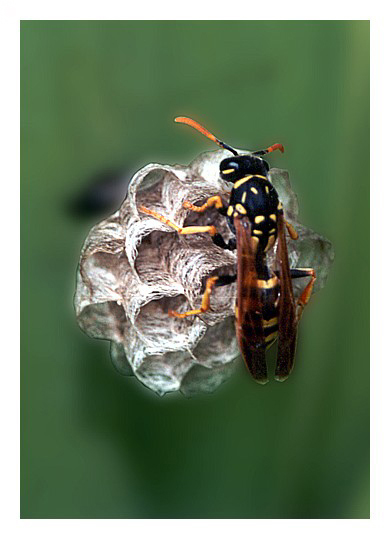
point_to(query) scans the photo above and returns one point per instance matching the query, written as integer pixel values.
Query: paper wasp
(266, 308)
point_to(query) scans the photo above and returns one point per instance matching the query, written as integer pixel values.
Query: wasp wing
(249, 319)
(288, 320)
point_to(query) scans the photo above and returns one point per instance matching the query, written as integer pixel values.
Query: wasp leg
(216, 280)
(180, 230)
(304, 298)
(231, 245)
(210, 202)
(291, 230)
(297, 273)
(306, 294)
(223, 280)
(205, 306)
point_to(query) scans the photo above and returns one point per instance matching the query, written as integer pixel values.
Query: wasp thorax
(234, 168)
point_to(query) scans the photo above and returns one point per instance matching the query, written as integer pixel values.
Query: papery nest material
(133, 269)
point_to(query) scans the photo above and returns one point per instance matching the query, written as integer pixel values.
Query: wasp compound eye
(229, 168)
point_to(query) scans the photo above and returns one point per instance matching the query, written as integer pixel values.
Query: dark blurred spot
(102, 194)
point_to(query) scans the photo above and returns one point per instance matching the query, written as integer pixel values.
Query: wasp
(266, 308)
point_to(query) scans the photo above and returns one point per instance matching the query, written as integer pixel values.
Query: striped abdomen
(261, 309)
(269, 294)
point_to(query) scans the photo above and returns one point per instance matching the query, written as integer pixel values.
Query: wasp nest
(133, 269)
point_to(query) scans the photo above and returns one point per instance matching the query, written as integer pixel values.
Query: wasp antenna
(205, 132)
(272, 148)
(197, 126)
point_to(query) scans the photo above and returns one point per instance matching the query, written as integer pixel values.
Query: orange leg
(180, 230)
(291, 230)
(212, 201)
(205, 306)
(306, 294)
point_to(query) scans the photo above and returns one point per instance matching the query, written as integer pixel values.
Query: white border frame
(380, 449)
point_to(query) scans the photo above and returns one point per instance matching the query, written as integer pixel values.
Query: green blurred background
(95, 444)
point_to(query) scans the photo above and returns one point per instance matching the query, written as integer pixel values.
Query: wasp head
(235, 168)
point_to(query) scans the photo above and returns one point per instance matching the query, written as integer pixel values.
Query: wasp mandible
(266, 308)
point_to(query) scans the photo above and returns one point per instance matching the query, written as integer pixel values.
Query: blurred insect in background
(103, 194)
(266, 308)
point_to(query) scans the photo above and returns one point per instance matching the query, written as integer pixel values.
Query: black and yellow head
(235, 168)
